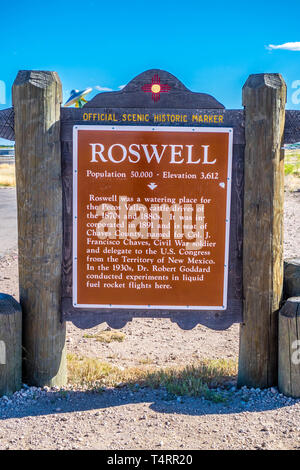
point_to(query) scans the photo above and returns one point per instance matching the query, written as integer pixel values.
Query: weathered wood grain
(87, 318)
(264, 97)
(289, 348)
(232, 118)
(10, 345)
(89, 116)
(37, 99)
(132, 94)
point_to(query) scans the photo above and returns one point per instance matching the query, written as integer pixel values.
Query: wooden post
(291, 285)
(10, 345)
(37, 98)
(264, 98)
(289, 348)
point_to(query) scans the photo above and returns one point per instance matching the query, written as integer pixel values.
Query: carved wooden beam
(232, 117)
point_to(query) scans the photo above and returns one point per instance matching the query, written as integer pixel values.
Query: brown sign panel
(151, 217)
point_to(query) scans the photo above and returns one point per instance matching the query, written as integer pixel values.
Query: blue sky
(211, 46)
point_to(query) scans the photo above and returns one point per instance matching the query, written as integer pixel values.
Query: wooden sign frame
(180, 103)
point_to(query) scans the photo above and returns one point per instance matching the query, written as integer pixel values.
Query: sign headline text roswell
(174, 154)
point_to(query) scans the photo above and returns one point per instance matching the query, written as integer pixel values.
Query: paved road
(8, 220)
(8, 160)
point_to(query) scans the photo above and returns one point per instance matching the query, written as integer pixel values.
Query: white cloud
(102, 88)
(288, 46)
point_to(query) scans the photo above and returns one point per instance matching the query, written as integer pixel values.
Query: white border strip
(227, 130)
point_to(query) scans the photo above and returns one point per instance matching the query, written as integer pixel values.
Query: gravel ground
(147, 419)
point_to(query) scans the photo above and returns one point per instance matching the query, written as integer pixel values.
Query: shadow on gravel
(77, 401)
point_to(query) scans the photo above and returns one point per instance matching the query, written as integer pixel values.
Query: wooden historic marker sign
(151, 217)
(152, 206)
(142, 191)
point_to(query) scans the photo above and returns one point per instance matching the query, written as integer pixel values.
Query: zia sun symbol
(156, 88)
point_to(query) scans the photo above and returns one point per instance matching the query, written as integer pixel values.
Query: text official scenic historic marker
(151, 217)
